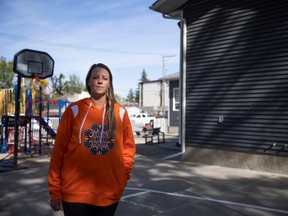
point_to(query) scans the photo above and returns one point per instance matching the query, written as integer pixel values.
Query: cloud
(125, 35)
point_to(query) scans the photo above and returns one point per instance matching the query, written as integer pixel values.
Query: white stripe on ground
(144, 191)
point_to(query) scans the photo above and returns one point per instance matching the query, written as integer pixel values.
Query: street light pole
(163, 82)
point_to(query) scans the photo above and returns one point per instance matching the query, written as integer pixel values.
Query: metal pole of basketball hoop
(28, 63)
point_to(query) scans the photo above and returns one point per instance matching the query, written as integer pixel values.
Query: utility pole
(163, 82)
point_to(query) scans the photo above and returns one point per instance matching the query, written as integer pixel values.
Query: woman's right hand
(56, 205)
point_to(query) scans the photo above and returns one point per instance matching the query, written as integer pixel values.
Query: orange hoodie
(82, 168)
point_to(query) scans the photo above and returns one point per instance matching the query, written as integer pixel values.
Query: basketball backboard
(30, 63)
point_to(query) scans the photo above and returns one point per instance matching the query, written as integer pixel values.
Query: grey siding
(237, 68)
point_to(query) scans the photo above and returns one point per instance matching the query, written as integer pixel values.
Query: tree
(58, 85)
(6, 73)
(117, 97)
(137, 95)
(74, 85)
(144, 77)
(62, 87)
(130, 96)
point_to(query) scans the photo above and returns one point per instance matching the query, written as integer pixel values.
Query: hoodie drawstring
(80, 132)
(102, 128)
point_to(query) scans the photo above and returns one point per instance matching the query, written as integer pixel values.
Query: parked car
(139, 121)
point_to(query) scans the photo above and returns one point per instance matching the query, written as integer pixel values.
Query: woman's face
(99, 82)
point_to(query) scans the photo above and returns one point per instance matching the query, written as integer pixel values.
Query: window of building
(176, 99)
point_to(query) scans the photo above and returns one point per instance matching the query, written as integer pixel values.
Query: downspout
(182, 85)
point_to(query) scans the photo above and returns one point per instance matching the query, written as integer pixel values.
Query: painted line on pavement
(145, 191)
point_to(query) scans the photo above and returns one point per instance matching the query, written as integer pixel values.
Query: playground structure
(29, 64)
(35, 132)
(6, 99)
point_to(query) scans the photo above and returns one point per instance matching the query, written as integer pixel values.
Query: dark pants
(80, 209)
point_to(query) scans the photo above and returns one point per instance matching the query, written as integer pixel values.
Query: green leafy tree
(58, 85)
(117, 97)
(6, 73)
(74, 85)
(61, 87)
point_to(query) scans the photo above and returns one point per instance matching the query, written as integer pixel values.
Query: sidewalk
(162, 187)
(159, 150)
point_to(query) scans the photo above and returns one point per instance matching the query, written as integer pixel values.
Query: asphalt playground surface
(161, 187)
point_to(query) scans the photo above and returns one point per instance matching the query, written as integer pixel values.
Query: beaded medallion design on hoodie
(97, 140)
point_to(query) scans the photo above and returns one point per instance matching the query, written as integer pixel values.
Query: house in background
(233, 81)
(161, 98)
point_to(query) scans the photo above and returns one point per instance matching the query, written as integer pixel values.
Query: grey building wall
(151, 93)
(237, 75)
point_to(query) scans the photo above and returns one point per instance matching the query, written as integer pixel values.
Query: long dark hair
(110, 98)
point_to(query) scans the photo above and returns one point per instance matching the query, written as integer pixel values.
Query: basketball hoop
(33, 64)
(30, 64)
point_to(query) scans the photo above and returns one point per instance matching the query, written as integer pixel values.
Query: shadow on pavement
(162, 187)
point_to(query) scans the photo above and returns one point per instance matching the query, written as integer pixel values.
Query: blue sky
(126, 35)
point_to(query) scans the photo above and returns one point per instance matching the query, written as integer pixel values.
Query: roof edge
(167, 6)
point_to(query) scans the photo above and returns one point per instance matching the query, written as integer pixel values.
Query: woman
(93, 153)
